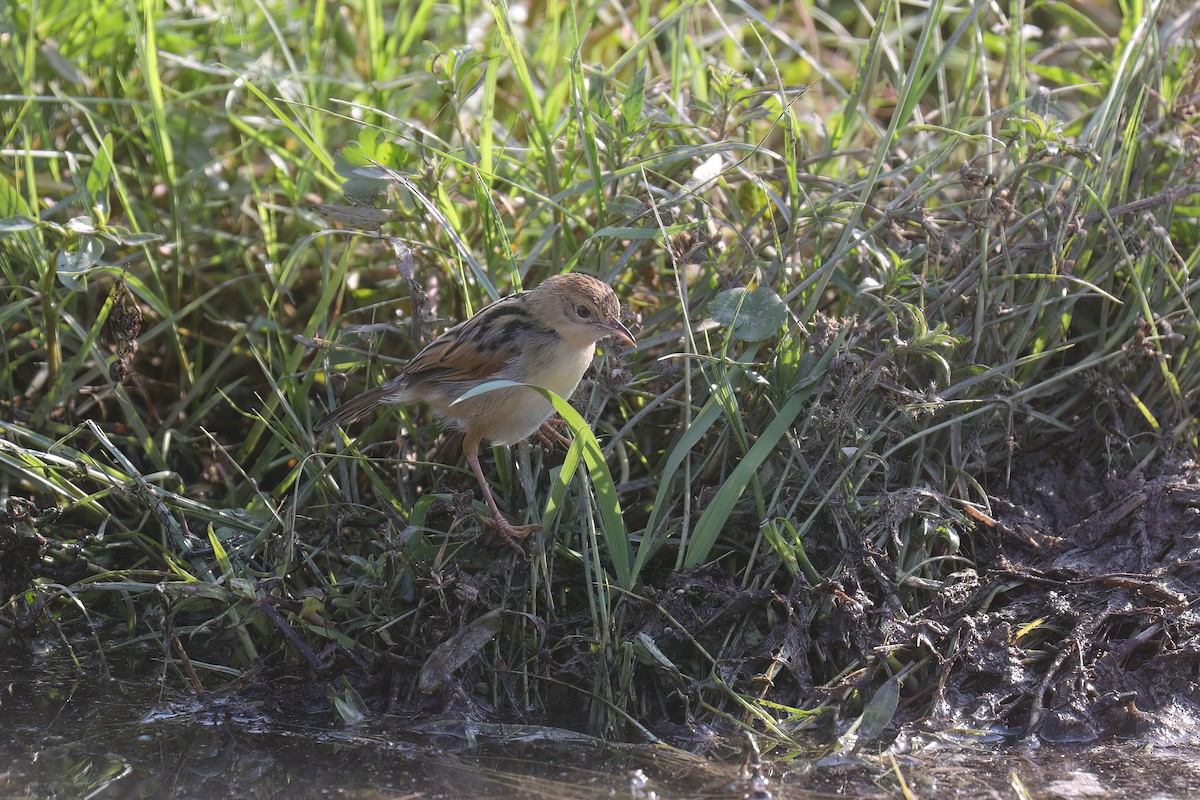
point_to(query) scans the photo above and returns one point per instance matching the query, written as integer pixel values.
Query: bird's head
(581, 308)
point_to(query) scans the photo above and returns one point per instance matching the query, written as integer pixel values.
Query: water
(66, 734)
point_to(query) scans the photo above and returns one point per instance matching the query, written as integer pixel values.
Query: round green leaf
(73, 266)
(749, 315)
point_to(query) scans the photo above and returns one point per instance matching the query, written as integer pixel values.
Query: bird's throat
(563, 370)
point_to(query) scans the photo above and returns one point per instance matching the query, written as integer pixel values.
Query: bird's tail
(358, 407)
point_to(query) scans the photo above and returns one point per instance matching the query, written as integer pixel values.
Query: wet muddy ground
(1074, 643)
(1082, 623)
(112, 737)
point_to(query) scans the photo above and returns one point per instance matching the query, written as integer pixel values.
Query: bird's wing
(480, 347)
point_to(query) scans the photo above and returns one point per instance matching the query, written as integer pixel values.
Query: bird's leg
(550, 432)
(509, 531)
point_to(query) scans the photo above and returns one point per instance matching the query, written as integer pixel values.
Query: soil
(1077, 624)
(1083, 625)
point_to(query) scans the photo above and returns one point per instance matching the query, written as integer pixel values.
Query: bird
(545, 336)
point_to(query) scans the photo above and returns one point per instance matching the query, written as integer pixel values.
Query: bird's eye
(583, 311)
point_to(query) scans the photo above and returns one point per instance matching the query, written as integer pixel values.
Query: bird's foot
(511, 533)
(550, 433)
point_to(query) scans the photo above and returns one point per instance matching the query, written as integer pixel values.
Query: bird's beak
(618, 330)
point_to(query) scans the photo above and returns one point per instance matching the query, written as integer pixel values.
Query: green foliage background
(876, 255)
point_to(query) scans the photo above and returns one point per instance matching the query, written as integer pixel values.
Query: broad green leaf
(646, 233)
(635, 97)
(16, 224)
(879, 712)
(447, 657)
(84, 226)
(348, 703)
(100, 173)
(11, 205)
(72, 266)
(136, 239)
(219, 551)
(750, 315)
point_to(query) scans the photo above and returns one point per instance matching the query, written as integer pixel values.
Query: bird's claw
(550, 433)
(511, 533)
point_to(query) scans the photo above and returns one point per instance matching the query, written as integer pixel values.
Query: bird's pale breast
(507, 416)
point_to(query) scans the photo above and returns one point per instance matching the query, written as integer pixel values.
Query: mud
(1076, 624)
(1083, 624)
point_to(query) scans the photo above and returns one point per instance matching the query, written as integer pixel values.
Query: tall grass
(874, 254)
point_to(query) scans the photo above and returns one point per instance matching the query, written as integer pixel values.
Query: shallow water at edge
(95, 737)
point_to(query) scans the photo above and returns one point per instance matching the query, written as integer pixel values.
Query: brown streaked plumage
(545, 337)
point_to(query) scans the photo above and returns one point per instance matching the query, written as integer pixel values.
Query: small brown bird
(545, 337)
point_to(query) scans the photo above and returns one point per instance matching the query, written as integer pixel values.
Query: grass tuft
(877, 255)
